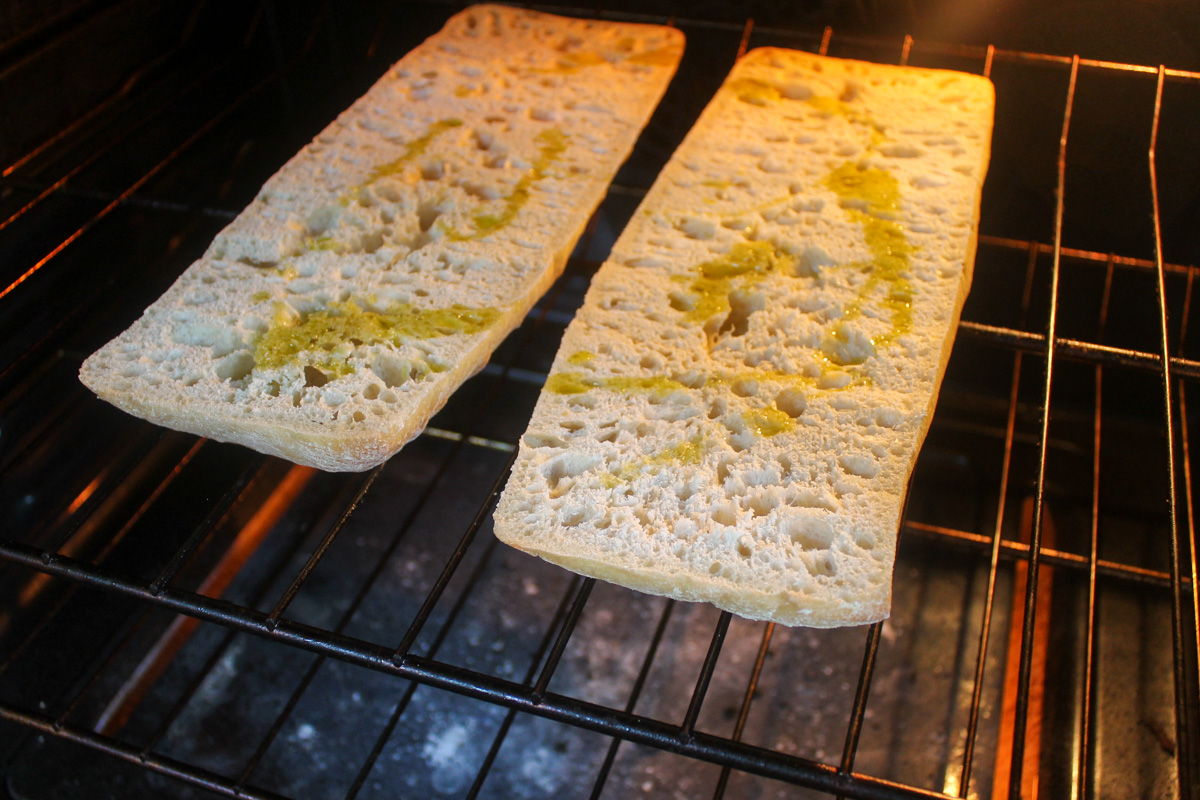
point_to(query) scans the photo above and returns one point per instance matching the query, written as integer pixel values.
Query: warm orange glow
(156, 660)
(37, 582)
(1031, 763)
(83, 496)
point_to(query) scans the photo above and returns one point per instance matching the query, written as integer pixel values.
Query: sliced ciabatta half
(382, 265)
(735, 411)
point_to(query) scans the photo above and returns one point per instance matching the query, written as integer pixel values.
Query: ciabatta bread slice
(734, 413)
(382, 265)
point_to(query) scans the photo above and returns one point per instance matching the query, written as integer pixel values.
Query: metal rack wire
(254, 536)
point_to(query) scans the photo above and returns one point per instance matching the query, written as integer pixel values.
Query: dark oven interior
(181, 618)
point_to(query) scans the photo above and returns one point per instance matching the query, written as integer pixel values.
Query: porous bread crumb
(733, 415)
(380, 266)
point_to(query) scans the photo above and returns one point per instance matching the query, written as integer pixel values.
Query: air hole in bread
(433, 170)
(573, 517)
(794, 90)
(364, 198)
(359, 416)
(822, 566)
(808, 498)
(692, 378)
(888, 417)
(763, 503)
(741, 305)
(539, 440)
(791, 402)
(714, 568)
(479, 191)
(681, 301)
(427, 214)
(862, 466)
(811, 261)
(392, 370)
(724, 515)
(199, 298)
(697, 228)
(744, 550)
(273, 388)
(253, 262)
(744, 387)
(900, 150)
(372, 391)
(314, 377)
(676, 413)
(236, 366)
(834, 379)
(388, 191)
(811, 533)
(369, 242)
(740, 438)
(651, 362)
(567, 466)
(773, 165)
(418, 241)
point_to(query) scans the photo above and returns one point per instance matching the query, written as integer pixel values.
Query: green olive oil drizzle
(686, 453)
(413, 150)
(570, 382)
(768, 422)
(553, 143)
(325, 339)
(870, 196)
(746, 262)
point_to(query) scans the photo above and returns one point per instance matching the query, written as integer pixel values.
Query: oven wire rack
(56, 543)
